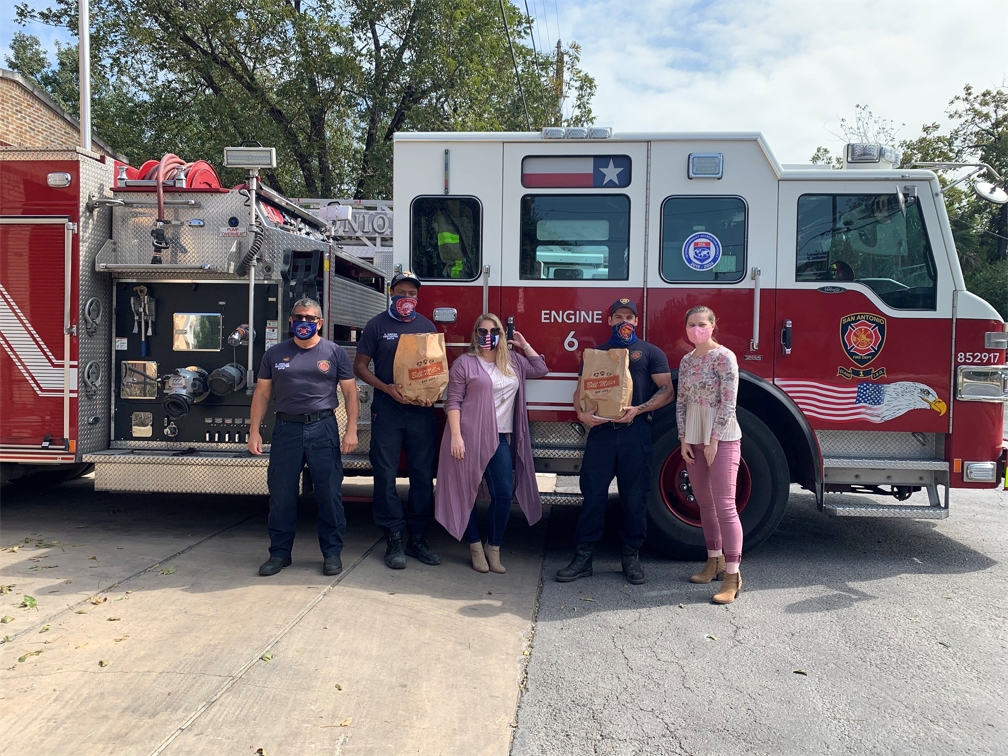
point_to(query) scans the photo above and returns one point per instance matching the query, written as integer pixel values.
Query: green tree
(979, 133)
(328, 82)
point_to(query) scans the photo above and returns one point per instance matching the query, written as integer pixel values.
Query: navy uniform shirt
(645, 360)
(305, 380)
(380, 340)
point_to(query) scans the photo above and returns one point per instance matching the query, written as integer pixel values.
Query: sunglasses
(305, 318)
(484, 331)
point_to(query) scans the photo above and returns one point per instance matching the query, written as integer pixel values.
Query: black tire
(771, 482)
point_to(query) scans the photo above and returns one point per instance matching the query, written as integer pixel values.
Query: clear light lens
(577, 132)
(58, 180)
(863, 153)
(599, 132)
(250, 157)
(706, 165)
(553, 132)
(980, 472)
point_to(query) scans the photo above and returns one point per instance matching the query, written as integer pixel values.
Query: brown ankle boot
(729, 588)
(479, 561)
(715, 568)
(493, 559)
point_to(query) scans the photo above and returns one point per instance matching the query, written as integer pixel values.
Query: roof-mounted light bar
(577, 132)
(860, 153)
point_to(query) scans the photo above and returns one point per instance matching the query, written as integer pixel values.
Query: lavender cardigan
(470, 390)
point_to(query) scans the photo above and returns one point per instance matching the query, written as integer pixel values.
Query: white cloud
(789, 69)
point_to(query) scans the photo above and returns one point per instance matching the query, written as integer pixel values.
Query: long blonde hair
(502, 354)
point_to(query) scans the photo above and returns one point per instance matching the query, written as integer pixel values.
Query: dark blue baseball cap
(624, 303)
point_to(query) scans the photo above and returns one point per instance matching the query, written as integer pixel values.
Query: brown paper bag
(421, 366)
(605, 381)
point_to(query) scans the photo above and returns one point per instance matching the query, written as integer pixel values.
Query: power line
(556, 9)
(531, 35)
(514, 60)
(549, 36)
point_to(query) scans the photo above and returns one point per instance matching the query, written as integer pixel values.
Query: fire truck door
(712, 241)
(453, 242)
(864, 305)
(37, 376)
(573, 243)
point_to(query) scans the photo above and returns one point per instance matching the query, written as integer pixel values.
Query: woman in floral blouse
(711, 444)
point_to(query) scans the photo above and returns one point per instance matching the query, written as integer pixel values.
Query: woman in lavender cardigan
(488, 439)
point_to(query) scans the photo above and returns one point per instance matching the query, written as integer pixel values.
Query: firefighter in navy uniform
(398, 426)
(303, 373)
(621, 449)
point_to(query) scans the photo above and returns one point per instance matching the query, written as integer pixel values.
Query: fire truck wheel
(761, 492)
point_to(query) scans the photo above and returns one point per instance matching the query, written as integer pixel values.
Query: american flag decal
(865, 402)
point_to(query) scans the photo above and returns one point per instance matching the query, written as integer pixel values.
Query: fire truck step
(561, 499)
(884, 463)
(862, 509)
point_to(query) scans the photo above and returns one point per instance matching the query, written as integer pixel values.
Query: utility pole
(559, 82)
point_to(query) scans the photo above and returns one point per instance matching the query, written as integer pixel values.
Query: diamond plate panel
(881, 444)
(556, 441)
(838, 509)
(94, 338)
(164, 473)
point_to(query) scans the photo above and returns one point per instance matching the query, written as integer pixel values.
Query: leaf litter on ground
(267, 657)
(167, 571)
(29, 654)
(5, 619)
(98, 600)
(5, 589)
(28, 602)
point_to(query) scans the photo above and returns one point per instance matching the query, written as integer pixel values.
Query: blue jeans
(499, 477)
(291, 447)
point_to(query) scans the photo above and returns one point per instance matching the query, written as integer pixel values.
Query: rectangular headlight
(250, 157)
(980, 472)
(987, 383)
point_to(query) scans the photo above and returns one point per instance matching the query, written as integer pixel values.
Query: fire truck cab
(865, 364)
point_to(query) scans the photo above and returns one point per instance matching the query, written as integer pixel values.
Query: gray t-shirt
(305, 380)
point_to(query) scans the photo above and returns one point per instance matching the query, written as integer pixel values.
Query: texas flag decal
(597, 171)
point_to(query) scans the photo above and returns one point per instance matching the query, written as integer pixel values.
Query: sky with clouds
(788, 68)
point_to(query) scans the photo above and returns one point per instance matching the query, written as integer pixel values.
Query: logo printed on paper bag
(862, 336)
(701, 251)
(425, 371)
(601, 382)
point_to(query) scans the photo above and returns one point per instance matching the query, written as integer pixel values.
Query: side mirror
(991, 192)
(901, 199)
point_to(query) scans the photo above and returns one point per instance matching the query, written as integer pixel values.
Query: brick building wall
(30, 118)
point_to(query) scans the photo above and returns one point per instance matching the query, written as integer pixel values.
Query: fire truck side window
(867, 238)
(703, 239)
(575, 236)
(446, 234)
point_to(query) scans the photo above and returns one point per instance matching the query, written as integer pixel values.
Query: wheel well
(782, 416)
(779, 413)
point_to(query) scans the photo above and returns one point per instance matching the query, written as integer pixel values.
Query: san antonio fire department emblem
(862, 336)
(323, 365)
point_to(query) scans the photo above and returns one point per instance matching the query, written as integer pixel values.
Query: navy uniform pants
(292, 446)
(397, 428)
(622, 452)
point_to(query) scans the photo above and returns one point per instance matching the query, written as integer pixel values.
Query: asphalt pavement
(849, 637)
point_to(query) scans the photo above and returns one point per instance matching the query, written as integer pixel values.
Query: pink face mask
(699, 334)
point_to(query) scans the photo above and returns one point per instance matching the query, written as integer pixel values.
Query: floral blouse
(708, 390)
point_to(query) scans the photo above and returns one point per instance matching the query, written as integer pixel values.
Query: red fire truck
(136, 303)
(865, 364)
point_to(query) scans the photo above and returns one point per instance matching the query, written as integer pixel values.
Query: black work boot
(395, 557)
(273, 565)
(332, 565)
(580, 566)
(632, 569)
(419, 550)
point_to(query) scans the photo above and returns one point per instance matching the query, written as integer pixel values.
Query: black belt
(308, 419)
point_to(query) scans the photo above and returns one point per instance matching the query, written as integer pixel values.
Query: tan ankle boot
(493, 559)
(479, 561)
(729, 588)
(715, 568)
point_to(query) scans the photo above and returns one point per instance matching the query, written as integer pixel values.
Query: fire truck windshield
(866, 239)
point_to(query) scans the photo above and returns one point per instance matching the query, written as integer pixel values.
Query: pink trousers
(714, 488)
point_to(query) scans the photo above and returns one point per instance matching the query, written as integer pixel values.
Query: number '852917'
(984, 358)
